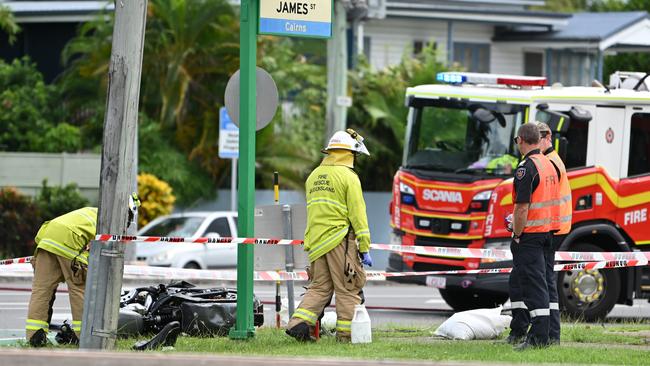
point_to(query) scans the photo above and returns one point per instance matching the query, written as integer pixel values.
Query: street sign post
(244, 327)
(307, 18)
(229, 149)
(298, 18)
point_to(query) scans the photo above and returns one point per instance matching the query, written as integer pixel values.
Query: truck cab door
(634, 186)
(608, 139)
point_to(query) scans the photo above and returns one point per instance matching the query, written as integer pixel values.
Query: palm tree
(8, 23)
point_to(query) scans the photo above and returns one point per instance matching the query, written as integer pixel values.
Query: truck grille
(441, 226)
(441, 242)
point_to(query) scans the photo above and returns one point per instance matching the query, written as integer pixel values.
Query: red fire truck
(454, 186)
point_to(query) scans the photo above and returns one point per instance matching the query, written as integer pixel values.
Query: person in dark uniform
(535, 182)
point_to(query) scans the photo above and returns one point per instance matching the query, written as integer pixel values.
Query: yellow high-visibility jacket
(334, 205)
(68, 235)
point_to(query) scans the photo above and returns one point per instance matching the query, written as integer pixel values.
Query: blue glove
(366, 259)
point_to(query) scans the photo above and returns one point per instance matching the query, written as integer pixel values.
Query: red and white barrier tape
(202, 240)
(231, 275)
(15, 261)
(497, 254)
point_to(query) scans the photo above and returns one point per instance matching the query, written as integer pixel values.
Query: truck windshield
(464, 137)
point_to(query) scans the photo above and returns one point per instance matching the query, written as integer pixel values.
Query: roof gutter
(481, 17)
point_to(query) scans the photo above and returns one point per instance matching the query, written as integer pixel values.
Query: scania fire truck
(454, 188)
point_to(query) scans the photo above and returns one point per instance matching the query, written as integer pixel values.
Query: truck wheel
(467, 299)
(588, 294)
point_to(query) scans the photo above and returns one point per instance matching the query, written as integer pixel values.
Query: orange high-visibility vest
(540, 209)
(564, 205)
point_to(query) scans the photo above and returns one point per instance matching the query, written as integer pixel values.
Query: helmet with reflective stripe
(347, 140)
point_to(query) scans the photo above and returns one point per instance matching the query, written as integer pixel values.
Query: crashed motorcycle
(167, 310)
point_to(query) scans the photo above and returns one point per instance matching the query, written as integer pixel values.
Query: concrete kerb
(11, 357)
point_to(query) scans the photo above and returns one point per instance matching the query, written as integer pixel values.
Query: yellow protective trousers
(50, 270)
(338, 273)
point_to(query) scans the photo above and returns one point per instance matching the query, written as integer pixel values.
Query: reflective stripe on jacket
(540, 209)
(335, 205)
(69, 234)
(564, 207)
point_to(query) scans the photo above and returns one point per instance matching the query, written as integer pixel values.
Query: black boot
(166, 337)
(66, 335)
(39, 339)
(301, 332)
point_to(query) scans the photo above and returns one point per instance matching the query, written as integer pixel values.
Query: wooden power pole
(337, 72)
(106, 261)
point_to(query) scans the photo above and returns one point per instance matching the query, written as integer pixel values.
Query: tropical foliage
(8, 24)
(19, 222)
(29, 112)
(58, 200)
(191, 49)
(156, 197)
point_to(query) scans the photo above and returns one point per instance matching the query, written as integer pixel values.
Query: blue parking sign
(228, 136)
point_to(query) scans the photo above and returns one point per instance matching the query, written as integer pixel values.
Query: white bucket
(360, 328)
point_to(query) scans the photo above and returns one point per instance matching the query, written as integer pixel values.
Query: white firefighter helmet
(347, 140)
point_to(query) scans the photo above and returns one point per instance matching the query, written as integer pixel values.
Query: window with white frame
(474, 57)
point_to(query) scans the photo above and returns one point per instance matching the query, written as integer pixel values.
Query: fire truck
(454, 188)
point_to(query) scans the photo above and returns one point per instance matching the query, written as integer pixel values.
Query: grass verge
(418, 344)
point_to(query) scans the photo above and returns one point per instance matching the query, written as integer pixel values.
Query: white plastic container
(360, 329)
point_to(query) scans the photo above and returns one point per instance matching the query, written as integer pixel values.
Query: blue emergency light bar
(490, 79)
(451, 77)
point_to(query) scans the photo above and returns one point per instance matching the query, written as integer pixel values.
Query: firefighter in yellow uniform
(336, 221)
(61, 255)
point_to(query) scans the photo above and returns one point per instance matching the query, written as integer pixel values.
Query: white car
(190, 225)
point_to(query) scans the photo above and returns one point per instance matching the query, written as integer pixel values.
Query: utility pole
(337, 72)
(106, 261)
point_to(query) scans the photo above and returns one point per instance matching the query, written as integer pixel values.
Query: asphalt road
(425, 306)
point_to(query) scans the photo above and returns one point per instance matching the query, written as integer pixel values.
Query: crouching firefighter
(336, 221)
(61, 256)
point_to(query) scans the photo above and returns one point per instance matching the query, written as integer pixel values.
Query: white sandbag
(474, 324)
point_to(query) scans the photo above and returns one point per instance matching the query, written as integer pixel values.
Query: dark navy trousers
(529, 291)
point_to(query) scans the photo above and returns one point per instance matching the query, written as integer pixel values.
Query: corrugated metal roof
(581, 27)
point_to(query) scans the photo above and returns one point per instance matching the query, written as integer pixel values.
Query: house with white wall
(505, 36)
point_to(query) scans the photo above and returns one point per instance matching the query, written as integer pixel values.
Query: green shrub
(60, 138)
(56, 201)
(157, 155)
(20, 219)
(156, 196)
